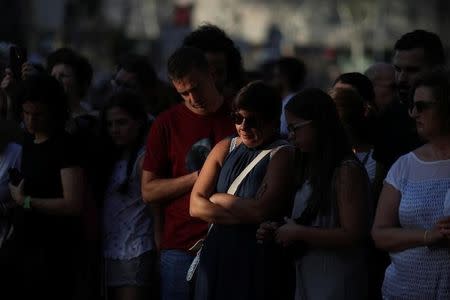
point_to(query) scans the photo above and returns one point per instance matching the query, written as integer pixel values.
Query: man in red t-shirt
(179, 141)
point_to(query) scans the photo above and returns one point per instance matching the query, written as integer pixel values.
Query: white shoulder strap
(233, 187)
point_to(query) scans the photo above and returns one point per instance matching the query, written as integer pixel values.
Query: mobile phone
(15, 177)
(17, 57)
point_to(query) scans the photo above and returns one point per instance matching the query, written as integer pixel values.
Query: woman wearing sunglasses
(413, 215)
(329, 223)
(232, 264)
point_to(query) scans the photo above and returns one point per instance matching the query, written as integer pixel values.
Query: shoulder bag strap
(233, 187)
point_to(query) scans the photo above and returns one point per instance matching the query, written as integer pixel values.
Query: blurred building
(346, 34)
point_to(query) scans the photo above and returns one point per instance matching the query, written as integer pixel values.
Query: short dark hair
(438, 81)
(428, 41)
(294, 70)
(81, 67)
(141, 67)
(361, 84)
(211, 39)
(184, 60)
(260, 98)
(45, 89)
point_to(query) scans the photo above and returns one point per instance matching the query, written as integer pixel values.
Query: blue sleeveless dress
(232, 264)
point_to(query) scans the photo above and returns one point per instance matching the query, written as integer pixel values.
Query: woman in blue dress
(232, 264)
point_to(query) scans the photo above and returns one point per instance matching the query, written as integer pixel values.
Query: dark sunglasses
(251, 122)
(293, 127)
(421, 106)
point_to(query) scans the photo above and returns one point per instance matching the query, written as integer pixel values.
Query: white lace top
(421, 272)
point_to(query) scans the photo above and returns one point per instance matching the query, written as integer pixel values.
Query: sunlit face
(66, 76)
(197, 90)
(218, 64)
(35, 117)
(408, 65)
(122, 128)
(424, 112)
(252, 129)
(301, 132)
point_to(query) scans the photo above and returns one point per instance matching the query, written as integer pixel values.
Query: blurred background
(331, 36)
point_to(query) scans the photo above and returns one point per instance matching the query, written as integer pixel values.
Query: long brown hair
(330, 149)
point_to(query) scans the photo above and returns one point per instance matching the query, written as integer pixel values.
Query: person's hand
(17, 193)
(286, 234)
(218, 197)
(7, 81)
(28, 70)
(266, 231)
(213, 198)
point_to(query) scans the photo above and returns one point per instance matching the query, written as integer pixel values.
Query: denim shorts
(138, 271)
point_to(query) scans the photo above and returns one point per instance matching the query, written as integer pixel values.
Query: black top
(395, 134)
(41, 168)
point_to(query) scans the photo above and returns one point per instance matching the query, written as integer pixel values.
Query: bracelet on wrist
(425, 237)
(27, 202)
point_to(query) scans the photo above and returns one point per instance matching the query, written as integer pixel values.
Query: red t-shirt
(177, 142)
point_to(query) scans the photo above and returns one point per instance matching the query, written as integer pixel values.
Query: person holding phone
(18, 69)
(49, 198)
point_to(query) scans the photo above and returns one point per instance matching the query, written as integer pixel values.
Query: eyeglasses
(421, 106)
(293, 127)
(251, 122)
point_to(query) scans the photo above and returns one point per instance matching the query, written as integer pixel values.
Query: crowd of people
(219, 185)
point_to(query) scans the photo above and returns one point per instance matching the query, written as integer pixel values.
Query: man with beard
(415, 52)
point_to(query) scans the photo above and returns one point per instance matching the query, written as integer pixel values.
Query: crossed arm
(275, 190)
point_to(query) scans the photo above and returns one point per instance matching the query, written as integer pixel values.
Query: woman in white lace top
(412, 220)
